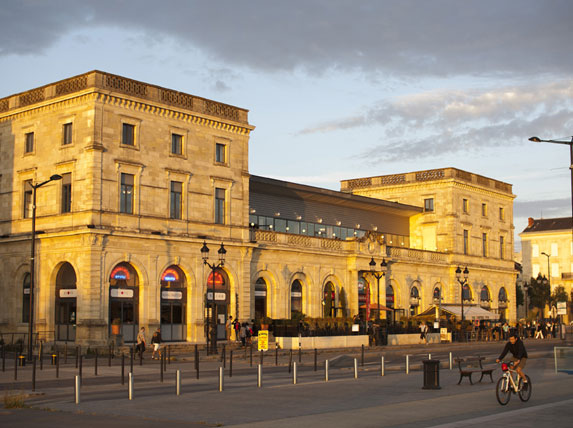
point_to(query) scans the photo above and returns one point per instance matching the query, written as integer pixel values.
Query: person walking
(156, 342)
(424, 332)
(140, 348)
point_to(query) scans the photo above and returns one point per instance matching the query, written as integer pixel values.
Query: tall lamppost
(33, 262)
(214, 267)
(378, 275)
(548, 271)
(463, 281)
(525, 287)
(570, 144)
(542, 280)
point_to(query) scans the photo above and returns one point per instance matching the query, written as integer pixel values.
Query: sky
(338, 89)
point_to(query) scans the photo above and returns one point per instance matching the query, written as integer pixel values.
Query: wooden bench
(471, 365)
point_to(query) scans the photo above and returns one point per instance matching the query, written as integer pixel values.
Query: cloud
(548, 208)
(450, 121)
(406, 38)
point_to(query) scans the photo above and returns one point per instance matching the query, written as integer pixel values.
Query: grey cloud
(543, 208)
(406, 38)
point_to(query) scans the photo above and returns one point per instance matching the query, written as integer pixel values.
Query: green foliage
(519, 296)
(538, 293)
(559, 295)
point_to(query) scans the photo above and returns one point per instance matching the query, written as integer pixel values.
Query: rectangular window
(501, 213)
(29, 142)
(126, 196)
(220, 155)
(176, 144)
(501, 247)
(554, 270)
(534, 250)
(484, 210)
(466, 243)
(175, 200)
(535, 270)
(128, 135)
(554, 250)
(66, 193)
(219, 206)
(67, 134)
(28, 193)
(429, 204)
(465, 206)
(484, 244)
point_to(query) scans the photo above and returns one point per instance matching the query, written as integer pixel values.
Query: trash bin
(431, 374)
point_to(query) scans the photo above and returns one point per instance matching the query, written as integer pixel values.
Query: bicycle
(506, 385)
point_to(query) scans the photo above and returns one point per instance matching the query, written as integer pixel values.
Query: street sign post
(263, 340)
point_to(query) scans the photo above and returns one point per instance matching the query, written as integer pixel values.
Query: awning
(471, 312)
(374, 306)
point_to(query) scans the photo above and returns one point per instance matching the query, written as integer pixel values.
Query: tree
(539, 292)
(559, 295)
(519, 296)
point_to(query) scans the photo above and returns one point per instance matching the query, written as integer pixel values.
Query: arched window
(260, 298)
(296, 297)
(502, 297)
(124, 301)
(329, 300)
(466, 293)
(390, 296)
(26, 298)
(66, 306)
(414, 300)
(173, 304)
(437, 295)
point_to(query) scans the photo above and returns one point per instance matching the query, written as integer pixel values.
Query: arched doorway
(173, 305)
(260, 299)
(414, 300)
(502, 303)
(124, 301)
(329, 301)
(364, 299)
(437, 296)
(218, 294)
(484, 297)
(295, 298)
(66, 308)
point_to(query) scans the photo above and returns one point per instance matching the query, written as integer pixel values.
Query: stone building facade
(148, 175)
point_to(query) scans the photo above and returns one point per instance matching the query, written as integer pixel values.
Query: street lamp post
(33, 263)
(213, 267)
(542, 280)
(463, 281)
(378, 275)
(570, 144)
(548, 271)
(525, 287)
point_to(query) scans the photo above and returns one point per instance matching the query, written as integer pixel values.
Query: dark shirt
(156, 338)
(517, 350)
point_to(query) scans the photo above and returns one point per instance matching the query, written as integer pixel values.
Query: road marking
(507, 414)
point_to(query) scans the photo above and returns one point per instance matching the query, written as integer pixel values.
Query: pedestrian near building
(140, 348)
(424, 332)
(156, 342)
(229, 327)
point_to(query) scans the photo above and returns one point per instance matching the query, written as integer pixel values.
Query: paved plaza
(393, 400)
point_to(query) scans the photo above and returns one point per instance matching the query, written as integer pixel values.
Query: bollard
(450, 360)
(290, 361)
(66, 353)
(53, 359)
(315, 359)
(95, 363)
(429, 356)
(41, 357)
(131, 386)
(251, 358)
(122, 368)
(161, 367)
(77, 357)
(326, 371)
(57, 365)
(77, 389)
(109, 357)
(16, 367)
(407, 364)
(131, 359)
(262, 353)
(168, 356)
(197, 360)
(223, 356)
(276, 354)
(231, 364)
(382, 365)
(260, 376)
(355, 368)
(299, 351)
(33, 374)
(178, 382)
(140, 357)
(294, 374)
(165, 359)
(221, 379)
(362, 362)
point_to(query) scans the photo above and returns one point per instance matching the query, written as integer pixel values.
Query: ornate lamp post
(525, 287)
(214, 267)
(378, 275)
(548, 271)
(33, 263)
(463, 281)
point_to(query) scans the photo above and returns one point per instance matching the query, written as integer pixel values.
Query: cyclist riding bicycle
(517, 349)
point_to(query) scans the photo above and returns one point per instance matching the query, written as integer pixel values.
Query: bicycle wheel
(525, 389)
(502, 391)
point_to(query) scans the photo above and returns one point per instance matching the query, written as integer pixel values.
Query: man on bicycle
(517, 349)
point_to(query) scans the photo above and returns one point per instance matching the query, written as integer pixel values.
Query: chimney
(530, 222)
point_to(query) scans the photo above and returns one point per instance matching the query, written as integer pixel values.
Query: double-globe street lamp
(33, 262)
(378, 275)
(463, 282)
(214, 267)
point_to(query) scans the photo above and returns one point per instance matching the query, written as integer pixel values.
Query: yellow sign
(263, 340)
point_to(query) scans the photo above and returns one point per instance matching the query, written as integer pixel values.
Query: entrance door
(123, 309)
(173, 325)
(218, 297)
(66, 310)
